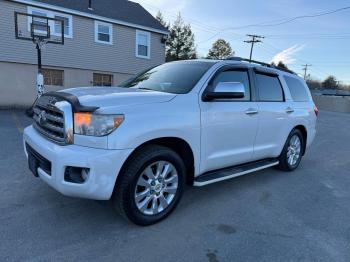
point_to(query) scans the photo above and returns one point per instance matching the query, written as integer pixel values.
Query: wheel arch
(179, 145)
(303, 130)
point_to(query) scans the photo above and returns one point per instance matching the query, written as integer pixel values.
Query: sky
(323, 42)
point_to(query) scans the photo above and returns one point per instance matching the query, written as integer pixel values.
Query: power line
(319, 71)
(254, 39)
(210, 29)
(238, 36)
(291, 19)
(311, 37)
(316, 71)
(195, 23)
(218, 31)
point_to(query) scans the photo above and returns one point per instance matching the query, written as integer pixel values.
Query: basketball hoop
(37, 29)
(41, 41)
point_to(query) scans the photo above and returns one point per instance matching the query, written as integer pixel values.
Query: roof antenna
(90, 5)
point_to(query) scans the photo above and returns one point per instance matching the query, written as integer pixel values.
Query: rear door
(228, 126)
(273, 115)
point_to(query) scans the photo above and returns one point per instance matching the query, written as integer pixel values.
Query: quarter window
(143, 44)
(102, 79)
(269, 87)
(103, 33)
(53, 77)
(297, 89)
(235, 76)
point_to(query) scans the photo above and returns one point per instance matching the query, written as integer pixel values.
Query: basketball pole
(37, 26)
(39, 82)
(40, 78)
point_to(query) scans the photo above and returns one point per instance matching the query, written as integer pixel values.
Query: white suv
(199, 121)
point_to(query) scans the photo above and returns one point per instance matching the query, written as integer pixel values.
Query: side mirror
(226, 90)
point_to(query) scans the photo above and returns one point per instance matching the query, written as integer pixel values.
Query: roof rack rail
(240, 59)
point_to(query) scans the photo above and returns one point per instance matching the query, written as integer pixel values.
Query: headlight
(96, 125)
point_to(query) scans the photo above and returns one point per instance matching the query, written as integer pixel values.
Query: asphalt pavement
(265, 216)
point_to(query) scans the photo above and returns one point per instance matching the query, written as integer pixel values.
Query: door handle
(251, 111)
(289, 110)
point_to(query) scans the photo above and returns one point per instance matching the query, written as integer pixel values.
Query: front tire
(150, 185)
(292, 152)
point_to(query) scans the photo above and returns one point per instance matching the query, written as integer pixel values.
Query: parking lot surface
(265, 216)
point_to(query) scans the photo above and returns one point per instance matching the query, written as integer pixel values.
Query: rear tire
(150, 185)
(292, 152)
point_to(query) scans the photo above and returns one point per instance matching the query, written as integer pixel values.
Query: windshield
(176, 77)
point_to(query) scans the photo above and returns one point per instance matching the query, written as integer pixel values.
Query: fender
(192, 140)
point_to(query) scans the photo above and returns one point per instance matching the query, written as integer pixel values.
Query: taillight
(316, 110)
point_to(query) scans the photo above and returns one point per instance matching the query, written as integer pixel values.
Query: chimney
(90, 5)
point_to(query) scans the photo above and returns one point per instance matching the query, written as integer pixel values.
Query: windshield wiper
(155, 90)
(146, 88)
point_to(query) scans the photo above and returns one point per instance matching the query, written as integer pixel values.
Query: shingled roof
(121, 10)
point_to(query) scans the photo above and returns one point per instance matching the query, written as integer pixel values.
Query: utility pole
(305, 67)
(254, 39)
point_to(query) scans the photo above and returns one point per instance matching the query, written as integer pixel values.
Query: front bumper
(104, 166)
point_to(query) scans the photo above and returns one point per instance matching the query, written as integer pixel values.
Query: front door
(228, 126)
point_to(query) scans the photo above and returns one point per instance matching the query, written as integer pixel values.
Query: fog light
(76, 175)
(85, 173)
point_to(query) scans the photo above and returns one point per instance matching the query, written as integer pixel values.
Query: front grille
(43, 163)
(49, 121)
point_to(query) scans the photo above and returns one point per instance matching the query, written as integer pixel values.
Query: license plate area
(33, 164)
(35, 161)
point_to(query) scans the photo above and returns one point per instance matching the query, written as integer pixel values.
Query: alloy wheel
(294, 150)
(156, 188)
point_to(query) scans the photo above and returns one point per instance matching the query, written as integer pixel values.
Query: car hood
(117, 96)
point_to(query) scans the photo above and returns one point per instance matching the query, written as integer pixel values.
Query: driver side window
(234, 76)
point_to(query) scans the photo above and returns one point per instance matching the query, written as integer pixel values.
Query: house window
(66, 25)
(103, 33)
(143, 44)
(53, 77)
(102, 79)
(40, 23)
(39, 13)
(55, 27)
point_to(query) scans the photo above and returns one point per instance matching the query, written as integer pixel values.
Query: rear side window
(235, 76)
(269, 87)
(297, 89)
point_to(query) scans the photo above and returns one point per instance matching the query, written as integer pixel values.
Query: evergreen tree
(161, 19)
(330, 82)
(281, 65)
(180, 44)
(220, 50)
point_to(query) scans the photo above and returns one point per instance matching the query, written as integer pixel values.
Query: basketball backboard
(39, 29)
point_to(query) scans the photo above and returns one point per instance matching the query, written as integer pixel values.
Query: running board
(231, 172)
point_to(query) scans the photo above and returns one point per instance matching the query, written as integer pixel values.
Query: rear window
(270, 89)
(297, 89)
